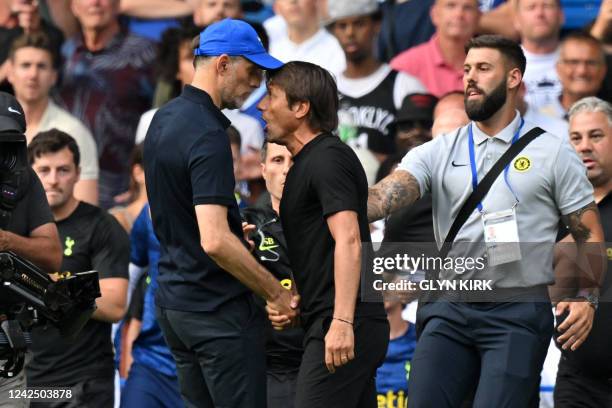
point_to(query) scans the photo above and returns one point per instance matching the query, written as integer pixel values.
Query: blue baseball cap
(235, 38)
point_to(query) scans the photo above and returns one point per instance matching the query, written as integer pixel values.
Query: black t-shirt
(283, 348)
(326, 178)
(91, 239)
(188, 162)
(32, 210)
(376, 126)
(595, 355)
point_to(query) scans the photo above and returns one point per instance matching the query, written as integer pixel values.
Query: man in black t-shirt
(283, 348)
(585, 375)
(92, 240)
(28, 230)
(324, 217)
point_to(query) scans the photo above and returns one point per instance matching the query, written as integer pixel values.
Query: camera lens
(8, 158)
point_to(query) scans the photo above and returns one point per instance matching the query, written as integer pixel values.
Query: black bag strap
(484, 186)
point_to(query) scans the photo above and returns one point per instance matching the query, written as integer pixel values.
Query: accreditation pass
(501, 237)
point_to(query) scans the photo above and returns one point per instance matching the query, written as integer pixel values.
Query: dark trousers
(577, 389)
(497, 349)
(220, 356)
(281, 389)
(352, 385)
(91, 393)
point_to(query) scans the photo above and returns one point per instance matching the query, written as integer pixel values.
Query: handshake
(283, 310)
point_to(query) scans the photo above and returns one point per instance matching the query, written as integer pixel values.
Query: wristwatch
(592, 298)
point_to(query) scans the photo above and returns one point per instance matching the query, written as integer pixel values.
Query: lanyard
(473, 161)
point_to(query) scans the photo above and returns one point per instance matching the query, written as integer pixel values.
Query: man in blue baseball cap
(206, 274)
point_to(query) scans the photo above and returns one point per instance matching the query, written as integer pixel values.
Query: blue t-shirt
(392, 376)
(149, 348)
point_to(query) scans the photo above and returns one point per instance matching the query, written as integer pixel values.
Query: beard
(490, 104)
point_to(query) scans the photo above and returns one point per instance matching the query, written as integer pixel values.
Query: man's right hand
(283, 310)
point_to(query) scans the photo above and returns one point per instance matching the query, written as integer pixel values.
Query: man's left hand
(339, 345)
(577, 325)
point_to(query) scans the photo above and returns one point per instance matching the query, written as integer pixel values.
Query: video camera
(28, 296)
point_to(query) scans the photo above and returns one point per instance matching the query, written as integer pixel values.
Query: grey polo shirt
(554, 182)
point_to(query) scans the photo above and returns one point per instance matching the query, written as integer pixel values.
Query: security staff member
(204, 306)
(28, 230)
(283, 348)
(500, 346)
(584, 377)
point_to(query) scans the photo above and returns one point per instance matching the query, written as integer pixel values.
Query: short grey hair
(591, 104)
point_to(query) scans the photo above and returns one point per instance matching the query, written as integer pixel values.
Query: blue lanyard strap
(473, 161)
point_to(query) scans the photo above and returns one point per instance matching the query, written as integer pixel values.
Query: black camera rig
(29, 297)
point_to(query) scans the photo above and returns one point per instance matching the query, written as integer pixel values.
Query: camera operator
(92, 239)
(26, 223)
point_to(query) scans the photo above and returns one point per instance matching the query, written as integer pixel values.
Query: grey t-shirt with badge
(547, 177)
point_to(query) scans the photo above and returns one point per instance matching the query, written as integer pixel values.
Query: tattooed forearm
(575, 223)
(395, 191)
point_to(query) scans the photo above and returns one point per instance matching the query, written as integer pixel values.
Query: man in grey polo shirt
(498, 347)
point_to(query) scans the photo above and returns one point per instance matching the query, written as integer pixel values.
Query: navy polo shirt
(188, 162)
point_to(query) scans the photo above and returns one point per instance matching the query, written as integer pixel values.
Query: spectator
(137, 192)
(438, 63)
(392, 376)
(414, 120)
(23, 17)
(366, 85)
(174, 69)
(30, 21)
(92, 239)
(449, 114)
(584, 375)
(107, 84)
(581, 69)
(539, 23)
(449, 122)
(211, 11)
(550, 124)
(241, 190)
(304, 39)
(32, 73)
